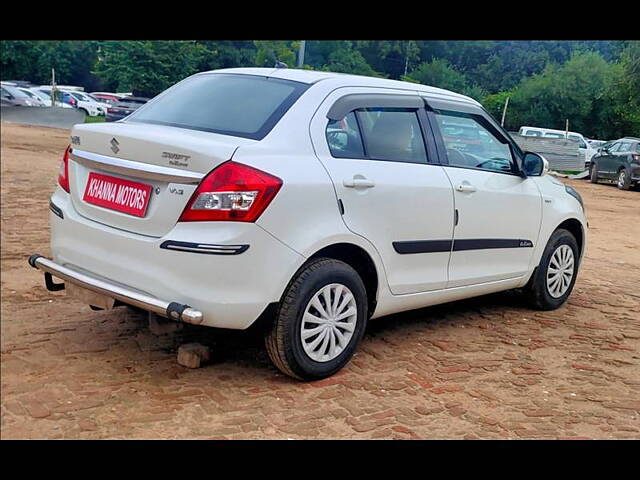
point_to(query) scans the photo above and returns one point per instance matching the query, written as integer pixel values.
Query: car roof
(135, 99)
(343, 79)
(633, 139)
(551, 130)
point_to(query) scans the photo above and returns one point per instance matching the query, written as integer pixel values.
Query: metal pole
(504, 111)
(566, 131)
(53, 87)
(301, 53)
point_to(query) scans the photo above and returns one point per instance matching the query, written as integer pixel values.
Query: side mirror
(534, 164)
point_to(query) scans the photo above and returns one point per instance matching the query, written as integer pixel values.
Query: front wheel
(553, 280)
(624, 181)
(320, 320)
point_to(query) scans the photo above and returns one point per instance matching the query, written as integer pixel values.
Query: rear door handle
(358, 182)
(466, 187)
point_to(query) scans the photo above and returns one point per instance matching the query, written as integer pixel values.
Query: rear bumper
(228, 271)
(173, 310)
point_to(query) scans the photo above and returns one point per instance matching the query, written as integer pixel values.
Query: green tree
(18, 59)
(438, 73)
(147, 67)
(348, 60)
(580, 91)
(271, 51)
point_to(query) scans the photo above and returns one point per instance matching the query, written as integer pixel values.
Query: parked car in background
(124, 107)
(13, 96)
(88, 104)
(207, 208)
(584, 148)
(618, 161)
(596, 143)
(45, 95)
(64, 100)
(39, 101)
(108, 98)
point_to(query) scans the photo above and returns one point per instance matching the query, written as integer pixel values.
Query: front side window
(614, 147)
(469, 144)
(624, 147)
(392, 134)
(579, 140)
(239, 105)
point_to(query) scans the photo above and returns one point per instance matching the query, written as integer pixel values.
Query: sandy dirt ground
(483, 368)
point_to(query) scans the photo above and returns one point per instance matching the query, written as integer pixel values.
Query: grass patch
(98, 119)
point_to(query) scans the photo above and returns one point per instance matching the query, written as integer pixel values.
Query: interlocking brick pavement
(482, 368)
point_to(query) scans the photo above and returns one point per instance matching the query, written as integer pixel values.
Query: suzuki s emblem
(114, 145)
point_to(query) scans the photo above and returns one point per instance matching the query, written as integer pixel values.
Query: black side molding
(422, 246)
(432, 246)
(487, 243)
(206, 248)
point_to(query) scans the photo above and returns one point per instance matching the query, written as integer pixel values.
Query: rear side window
(239, 105)
(388, 134)
(392, 134)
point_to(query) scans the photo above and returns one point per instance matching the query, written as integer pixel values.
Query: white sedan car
(88, 104)
(314, 201)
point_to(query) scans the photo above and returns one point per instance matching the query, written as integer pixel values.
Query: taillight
(232, 192)
(63, 173)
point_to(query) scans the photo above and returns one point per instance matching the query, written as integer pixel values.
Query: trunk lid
(170, 160)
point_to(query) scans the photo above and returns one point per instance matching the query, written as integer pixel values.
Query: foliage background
(595, 84)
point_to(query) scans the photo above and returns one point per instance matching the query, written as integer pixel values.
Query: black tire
(624, 180)
(536, 291)
(593, 174)
(283, 341)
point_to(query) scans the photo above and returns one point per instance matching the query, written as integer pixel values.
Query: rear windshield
(239, 105)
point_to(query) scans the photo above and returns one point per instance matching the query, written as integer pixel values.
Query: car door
(606, 161)
(383, 165)
(498, 211)
(620, 158)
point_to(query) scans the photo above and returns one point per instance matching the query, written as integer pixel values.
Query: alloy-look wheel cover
(560, 271)
(328, 322)
(622, 178)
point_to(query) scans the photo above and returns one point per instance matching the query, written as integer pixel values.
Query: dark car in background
(618, 161)
(124, 107)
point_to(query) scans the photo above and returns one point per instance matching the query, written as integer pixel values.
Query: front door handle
(466, 187)
(358, 182)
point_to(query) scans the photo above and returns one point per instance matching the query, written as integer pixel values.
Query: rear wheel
(624, 181)
(553, 280)
(320, 321)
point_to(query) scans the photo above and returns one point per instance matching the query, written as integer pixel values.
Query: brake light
(232, 192)
(63, 173)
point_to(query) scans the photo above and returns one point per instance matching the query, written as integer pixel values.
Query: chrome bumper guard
(173, 310)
